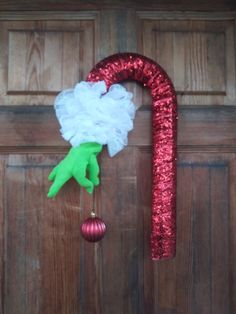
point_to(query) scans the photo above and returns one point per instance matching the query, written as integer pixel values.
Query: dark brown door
(45, 265)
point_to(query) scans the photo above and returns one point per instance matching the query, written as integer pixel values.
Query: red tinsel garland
(131, 66)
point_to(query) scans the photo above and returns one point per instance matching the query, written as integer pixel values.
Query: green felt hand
(77, 162)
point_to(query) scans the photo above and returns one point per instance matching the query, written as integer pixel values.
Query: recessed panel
(41, 58)
(37, 59)
(198, 56)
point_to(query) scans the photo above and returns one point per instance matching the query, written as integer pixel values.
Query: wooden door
(45, 265)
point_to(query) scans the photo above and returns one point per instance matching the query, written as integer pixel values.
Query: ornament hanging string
(130, 66)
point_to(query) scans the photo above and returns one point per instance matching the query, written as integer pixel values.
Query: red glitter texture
(131, 66)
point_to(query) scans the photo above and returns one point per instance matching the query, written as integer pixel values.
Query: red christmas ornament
(93, 228)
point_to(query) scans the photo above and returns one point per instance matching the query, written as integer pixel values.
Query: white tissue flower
(88, 114)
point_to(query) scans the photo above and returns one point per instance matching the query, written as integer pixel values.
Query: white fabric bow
(87, 113)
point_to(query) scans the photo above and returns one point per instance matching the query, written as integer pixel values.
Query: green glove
(78, 161)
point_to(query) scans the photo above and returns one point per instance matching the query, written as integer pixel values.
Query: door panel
(45, 265)
(43, 56)
(196, 51)
(48, 267)
(41, 242)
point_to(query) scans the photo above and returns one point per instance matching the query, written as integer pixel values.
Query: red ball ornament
(93, 228)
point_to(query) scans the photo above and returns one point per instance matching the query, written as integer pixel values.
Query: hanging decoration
(93, 228)
(99, 112)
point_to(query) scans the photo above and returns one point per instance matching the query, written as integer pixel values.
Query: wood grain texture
(48, 268)
(42, 240)
(184, 239)
(2, 235)
(45, 265)
(198, 280)
(210, 232)
(40, 58)
(232, 239)
(117, 4)
(197, 54)
(147, 268)
(121, 247)
(118, 33)
(199, 128)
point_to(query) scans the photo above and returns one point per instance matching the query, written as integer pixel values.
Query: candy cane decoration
(131, 66)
